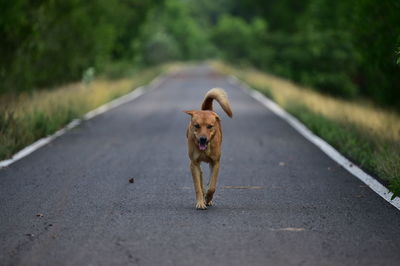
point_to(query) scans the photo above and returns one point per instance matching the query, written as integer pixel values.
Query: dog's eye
(197, 126)
(209, 126)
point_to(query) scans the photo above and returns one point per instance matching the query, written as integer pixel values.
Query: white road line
(104, 108)
(320, 143)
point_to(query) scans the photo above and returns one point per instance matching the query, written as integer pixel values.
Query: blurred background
(346, 48)
(335, 65)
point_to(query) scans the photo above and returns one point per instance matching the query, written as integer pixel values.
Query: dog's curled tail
(221, 97)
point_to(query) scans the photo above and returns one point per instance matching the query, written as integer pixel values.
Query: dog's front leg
(213, 182)
(198, 187)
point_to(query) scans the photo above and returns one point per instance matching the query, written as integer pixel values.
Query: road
(280, 200)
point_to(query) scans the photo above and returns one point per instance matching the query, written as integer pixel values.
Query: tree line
(345, 48)
(49, 42)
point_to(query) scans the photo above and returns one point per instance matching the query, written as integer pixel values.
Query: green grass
(27, 117)
(366, 134)
(371, 155)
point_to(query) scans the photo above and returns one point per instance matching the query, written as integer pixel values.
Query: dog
(204, 139)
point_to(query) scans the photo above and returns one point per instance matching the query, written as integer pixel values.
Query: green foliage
(362, 41)
(315, 59)
(342, 47)
(234, 37)
(45, 43)
(240, 41)
(345, 48)
(170, 33)
(395, 188)
(375, 33)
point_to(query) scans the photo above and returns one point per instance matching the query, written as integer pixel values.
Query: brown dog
(204, 137)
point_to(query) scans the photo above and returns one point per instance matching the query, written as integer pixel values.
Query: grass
(368, 135)
(26, 117)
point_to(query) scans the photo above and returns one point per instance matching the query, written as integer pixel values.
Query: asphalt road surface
(280, 200)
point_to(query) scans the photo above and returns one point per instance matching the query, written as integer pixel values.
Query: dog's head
(203, 126)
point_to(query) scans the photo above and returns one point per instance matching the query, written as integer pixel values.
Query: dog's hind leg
(198, 186)
(213, 182)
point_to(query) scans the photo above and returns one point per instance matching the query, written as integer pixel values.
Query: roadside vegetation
(343, 48)
(364, 132)
(29, 116)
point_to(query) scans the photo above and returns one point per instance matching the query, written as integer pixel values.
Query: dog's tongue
(202, 147)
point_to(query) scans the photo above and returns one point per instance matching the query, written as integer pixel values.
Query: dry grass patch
(373, 120)
(26, 117)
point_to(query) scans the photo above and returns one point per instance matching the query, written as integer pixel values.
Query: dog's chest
(204, 156)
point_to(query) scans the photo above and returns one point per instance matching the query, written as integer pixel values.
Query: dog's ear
(217, 117)
(190, 112)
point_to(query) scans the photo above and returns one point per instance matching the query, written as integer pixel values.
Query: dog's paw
(208, 198)
(200, 205)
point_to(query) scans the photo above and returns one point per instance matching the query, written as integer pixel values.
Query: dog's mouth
(203, 143)
(202, 146)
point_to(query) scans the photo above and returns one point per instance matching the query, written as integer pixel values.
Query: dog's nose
(203, 140)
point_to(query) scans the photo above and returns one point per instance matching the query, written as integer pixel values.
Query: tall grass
(27, 117)
(367, 134)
